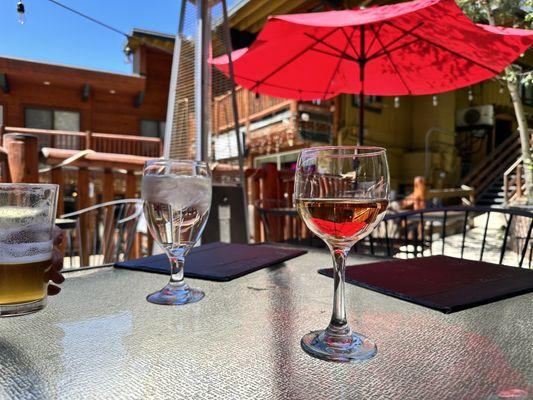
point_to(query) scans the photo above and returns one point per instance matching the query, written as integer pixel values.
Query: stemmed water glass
(177, 199)
(341, 193)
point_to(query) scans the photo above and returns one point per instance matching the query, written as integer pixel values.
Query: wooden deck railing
(250, 107)
(514, 181)
(99, 142)
(493, 165)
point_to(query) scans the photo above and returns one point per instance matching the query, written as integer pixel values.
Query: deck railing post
(4, 166)
(57, 178)
(22, 157)
(84, 223)
(518, 180)
(88, 140)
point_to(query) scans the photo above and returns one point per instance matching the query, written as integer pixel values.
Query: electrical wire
(90, 18)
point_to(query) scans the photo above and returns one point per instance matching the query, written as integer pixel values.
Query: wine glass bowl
(177, 199)
(341, 193)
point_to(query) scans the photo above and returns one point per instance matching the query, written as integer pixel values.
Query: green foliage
(510, 13)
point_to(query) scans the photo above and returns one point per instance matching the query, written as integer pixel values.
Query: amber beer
(27, 213)
(23, 282)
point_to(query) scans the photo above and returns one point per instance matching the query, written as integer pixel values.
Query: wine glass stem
(176, 269)
(338, 324)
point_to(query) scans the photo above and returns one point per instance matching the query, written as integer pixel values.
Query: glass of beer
(341, 193)
(27, 215)
(177, 199)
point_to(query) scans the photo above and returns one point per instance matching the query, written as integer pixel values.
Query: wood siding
(102, 111)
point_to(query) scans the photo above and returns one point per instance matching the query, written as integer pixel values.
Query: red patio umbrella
(414, 48)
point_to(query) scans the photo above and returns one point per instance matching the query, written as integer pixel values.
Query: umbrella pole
(362, 62)
(361, 116)
(240, 139)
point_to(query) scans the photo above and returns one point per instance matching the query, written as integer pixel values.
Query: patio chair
(104, 234)
(497, 235)
(281, 223)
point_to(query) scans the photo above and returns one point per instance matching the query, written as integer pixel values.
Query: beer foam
(18, 253)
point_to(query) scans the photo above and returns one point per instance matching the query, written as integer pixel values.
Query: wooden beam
(95, 160)
(23, 157)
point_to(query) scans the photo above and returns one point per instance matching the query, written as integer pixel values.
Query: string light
(397, 102)
(435, 101)
(470, 95)
(128, 52)
(21, 10)
(501, 90)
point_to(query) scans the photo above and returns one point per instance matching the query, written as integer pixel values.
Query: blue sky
(53, 34)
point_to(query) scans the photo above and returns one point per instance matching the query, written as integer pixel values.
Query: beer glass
(341, 193)
(27, 215)
(177, 199)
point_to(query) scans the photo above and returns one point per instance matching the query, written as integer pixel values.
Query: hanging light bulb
(397, 102)
(22, 12)
(435, 101)
(128, 54)
(501, 90)
(470, 95)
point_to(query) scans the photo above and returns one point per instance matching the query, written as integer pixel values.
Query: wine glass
(341, 193)
(177, 198)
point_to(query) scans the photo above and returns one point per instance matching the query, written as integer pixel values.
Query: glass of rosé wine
(341, 193)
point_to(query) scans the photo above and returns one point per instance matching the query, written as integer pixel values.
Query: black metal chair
(103, 234)
(498, 235)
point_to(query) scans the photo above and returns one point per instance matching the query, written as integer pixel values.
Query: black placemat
(442, 283)
(218, 261)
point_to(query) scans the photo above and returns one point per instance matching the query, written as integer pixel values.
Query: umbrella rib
(348, 42)
(375, 36)
(446, 49)
(385, 47)
(385, 50)
(280, 86)
(299, 54)
(339, 52)
(343, 56)
(387, 53)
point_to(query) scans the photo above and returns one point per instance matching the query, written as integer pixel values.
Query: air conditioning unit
(473, 117)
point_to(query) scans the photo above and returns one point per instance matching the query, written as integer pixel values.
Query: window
(152, 128)
(225, 145)
(372, 103)
(42, 118)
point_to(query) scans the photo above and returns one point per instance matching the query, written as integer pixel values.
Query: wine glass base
(353, 347)
(172, 295)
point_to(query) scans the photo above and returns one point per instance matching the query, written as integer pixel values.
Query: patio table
(100, 339)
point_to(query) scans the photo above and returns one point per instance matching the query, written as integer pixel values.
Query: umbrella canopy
(413, 48)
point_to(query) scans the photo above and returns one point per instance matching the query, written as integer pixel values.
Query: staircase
(487, 177)
(493, 195)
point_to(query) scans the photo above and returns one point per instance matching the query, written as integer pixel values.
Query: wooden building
(50, 96)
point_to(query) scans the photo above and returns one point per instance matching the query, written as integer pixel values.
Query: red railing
(99, 142)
